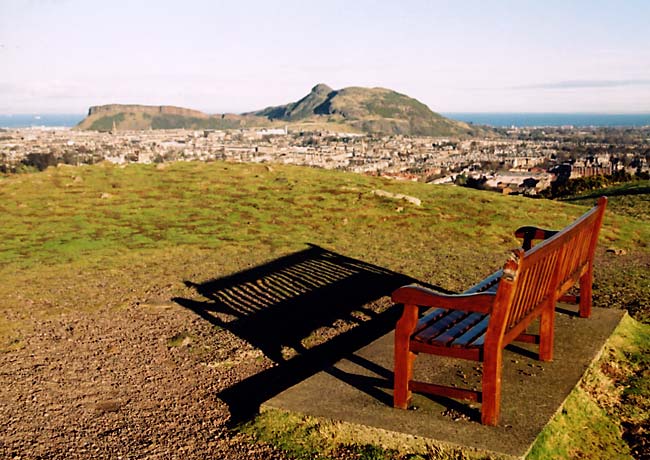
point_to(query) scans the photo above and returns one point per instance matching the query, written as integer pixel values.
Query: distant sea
(67, 120)
(498, 120)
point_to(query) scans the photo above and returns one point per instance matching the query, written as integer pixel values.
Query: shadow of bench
(304, 311)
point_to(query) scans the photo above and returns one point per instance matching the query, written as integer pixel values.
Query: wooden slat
(479, 341)
(468, 338)
(450, 392)
(489, 284)
(459, 328)
(471, 353)
(430, 318)
(520, 327)
(527, 338)
(569, 299)
(440, 326)
(413, 294)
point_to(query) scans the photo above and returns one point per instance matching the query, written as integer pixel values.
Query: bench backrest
(531, 280)
(580, 238)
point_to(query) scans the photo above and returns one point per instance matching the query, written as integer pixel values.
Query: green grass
(70, 221)
(629, 198)
(167, 121)
(582, 430)
(106, 123)
(615, 393)
(304, 437)
(623, 275)
(178, 340)
(137, 120)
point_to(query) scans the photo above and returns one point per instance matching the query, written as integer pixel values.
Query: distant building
(272, 132)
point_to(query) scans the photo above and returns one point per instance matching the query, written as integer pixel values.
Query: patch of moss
(304, 437)
(178, 340)
(581, 430)
(604, 418)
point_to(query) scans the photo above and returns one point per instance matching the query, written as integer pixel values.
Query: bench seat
(451, 328)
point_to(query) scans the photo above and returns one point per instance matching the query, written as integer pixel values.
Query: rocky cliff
(129, 117)
(150, 109)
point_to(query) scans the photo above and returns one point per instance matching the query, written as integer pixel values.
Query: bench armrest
(423, 297)
(530, 234)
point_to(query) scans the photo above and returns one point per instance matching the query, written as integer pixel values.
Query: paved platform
(358, 389)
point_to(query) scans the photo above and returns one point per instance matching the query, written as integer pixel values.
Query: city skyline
(64, 56)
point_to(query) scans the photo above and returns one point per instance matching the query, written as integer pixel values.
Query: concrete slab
(358, 389)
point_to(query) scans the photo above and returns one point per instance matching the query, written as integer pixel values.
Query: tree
(39, 160)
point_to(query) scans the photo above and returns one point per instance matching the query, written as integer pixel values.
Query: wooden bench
(480, 322)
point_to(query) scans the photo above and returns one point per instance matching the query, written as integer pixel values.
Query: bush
(40, 161)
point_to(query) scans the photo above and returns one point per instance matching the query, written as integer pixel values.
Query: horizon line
(472, 112)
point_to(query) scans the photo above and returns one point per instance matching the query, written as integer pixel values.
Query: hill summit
(304, 108)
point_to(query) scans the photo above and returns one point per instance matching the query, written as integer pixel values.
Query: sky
(62, 56)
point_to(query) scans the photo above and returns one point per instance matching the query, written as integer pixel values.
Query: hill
(106, 346)
(140, 117)
(367, 110)
(370, 110)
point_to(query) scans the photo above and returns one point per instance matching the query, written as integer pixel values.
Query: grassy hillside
(377, 110)
(631, 199)
(90, 215)
(102, 241)
(370, 110)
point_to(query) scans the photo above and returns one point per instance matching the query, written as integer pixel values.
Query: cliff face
(130, 117)
(150, 109)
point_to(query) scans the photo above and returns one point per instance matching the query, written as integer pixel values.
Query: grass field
(84, 239)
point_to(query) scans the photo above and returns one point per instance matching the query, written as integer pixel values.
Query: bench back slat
(533, 286)
(533, 279)
(579, 244)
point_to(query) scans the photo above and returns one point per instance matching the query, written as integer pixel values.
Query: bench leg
(546, 333)
(491, 388)
(404, 357)
(585, 293)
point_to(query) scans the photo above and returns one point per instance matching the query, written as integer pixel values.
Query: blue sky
(234, 56)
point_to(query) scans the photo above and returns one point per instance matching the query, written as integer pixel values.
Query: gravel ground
(136, 383)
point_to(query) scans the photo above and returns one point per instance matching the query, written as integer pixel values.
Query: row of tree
(570, 187)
